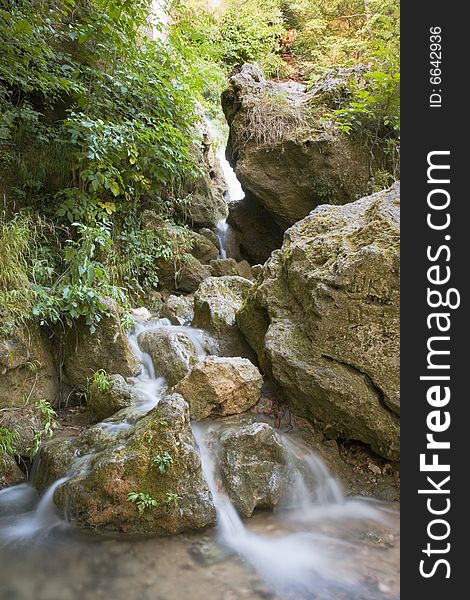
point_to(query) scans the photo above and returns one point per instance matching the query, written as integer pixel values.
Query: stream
(317, 544)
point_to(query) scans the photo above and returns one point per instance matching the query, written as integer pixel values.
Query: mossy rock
(216, 303)
(323, 318)
(287, 156)
(27, 370)
(105, 402)
(107, 348)
(221, 386)
(97, 494)
(173, 353)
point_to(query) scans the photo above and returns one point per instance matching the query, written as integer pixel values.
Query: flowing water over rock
(234, 190)
(317, 544)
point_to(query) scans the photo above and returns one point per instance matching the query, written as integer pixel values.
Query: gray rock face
(108, 348)
(221, 386)
(173, 353)
(202, 248)
(323, 318)
(178, 309)
(284, 152)
(97, 496)
(215, 305)
(27, 369)
(102, 404)
(253, 467)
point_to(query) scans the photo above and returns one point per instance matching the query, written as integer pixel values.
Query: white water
(224, 234)
(234, 189)
(304, 559)
(305, 562)
(33, 517)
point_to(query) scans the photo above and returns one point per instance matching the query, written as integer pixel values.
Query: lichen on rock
(215, 305)
(286, 154)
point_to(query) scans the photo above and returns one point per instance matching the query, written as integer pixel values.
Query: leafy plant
(163, 461)
(96, 117)
(8, 440)
(102, 380)
(172, 500)
(142, 501)
(128, 321)
(49, 421)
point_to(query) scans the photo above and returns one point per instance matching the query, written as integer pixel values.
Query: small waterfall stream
(234, 189)
(301, 559)
(310, 547)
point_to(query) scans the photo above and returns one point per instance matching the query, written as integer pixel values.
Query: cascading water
(303, 562)
(305, 558)
(41, 515)
(234, 189)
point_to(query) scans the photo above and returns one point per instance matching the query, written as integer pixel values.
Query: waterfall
(223, 233)
(302, 562)
(305, 557)
(234, 189)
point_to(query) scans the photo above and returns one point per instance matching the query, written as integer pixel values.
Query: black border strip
(425, 129)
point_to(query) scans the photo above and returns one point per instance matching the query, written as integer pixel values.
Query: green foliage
(252, 31)
(137, 248)
(128, 321)
(372, 117)
(235, 32)
(95, 118)
(48, 423)
(8, 440)
(172, 500)
(25, 265)
(142, 501)
(163, 462)
(102, 381)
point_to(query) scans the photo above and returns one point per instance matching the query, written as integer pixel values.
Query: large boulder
(103, 401)
(27, 370)
(253, 466)
(216, 303)
(220, 386)
(285, 153)
(107, 348)
(168, 499)
(173, 353)
(323, 318)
